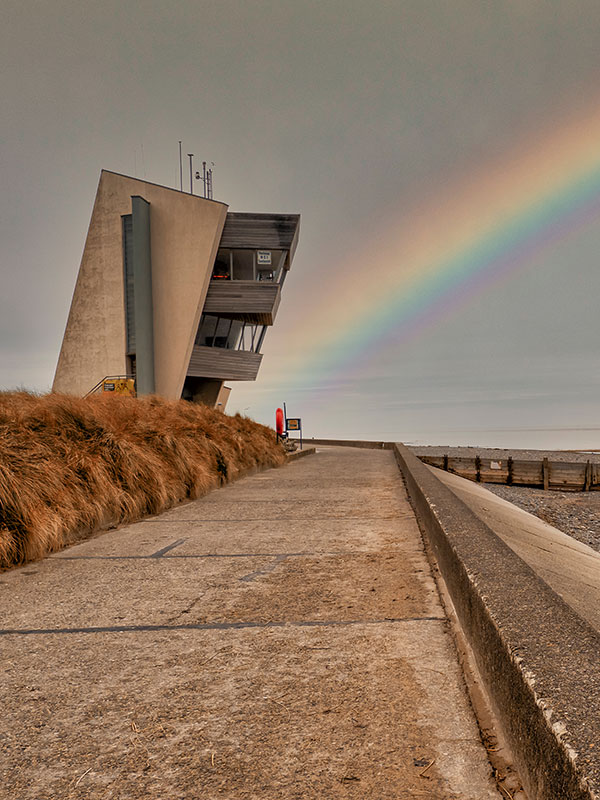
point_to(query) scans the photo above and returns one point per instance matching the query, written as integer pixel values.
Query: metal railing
(108, 378)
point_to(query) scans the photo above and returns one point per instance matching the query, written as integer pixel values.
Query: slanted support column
(142, 282)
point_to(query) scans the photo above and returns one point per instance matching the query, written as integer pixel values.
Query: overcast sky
(351, 114)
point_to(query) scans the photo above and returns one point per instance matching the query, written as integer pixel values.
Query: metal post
(191, 156)
(204, 176)
(180, 169)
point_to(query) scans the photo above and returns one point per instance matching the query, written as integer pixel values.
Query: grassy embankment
(69, 466)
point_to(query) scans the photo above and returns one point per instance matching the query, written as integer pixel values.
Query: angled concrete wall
(538, 659)
(185, 234)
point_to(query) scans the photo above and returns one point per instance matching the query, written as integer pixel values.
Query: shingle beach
(575, 513)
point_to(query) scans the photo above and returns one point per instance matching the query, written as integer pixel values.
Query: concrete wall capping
(294, 456)
(352, 443)
(539, 659)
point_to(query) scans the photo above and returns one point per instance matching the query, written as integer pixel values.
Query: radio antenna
(191, 156)
(180, 169)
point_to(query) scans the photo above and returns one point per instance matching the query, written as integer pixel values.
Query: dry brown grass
(69, 466)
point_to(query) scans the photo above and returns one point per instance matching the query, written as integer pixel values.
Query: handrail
(108, 378)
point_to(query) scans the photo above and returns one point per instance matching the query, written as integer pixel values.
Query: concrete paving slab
(220, 721)
(212, 536)
(342, 586)
(306, 656)
(279, 510)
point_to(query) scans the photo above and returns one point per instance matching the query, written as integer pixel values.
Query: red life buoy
(279, 421)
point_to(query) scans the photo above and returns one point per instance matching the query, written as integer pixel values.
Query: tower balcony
(224, 364)
(252, 301)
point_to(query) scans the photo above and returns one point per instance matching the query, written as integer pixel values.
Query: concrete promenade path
(281, 637)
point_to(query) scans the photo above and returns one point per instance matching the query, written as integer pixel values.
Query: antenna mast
(180, 169)
(191, 156)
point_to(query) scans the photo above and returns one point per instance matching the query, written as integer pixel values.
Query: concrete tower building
(174, 291)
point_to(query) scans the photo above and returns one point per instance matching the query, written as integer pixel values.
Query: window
(250, 265)
(222, 268)
(243, 265)
(230, 334)
(128, 283)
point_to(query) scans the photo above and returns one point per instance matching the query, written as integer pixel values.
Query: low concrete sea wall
(538, 659)
(351, 443)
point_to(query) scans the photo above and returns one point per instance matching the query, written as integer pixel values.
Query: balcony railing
(227, 365)
(253, 301)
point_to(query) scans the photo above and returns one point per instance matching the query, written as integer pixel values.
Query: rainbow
(447, 252)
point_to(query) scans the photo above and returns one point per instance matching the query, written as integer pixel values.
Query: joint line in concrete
(306, 553)
(190, 555)
(215, 626)
(270, 519)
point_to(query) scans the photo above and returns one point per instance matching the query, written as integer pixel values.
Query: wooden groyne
(543, 473)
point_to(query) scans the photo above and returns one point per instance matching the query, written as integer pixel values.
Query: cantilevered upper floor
(253, 259)
(254, 256)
